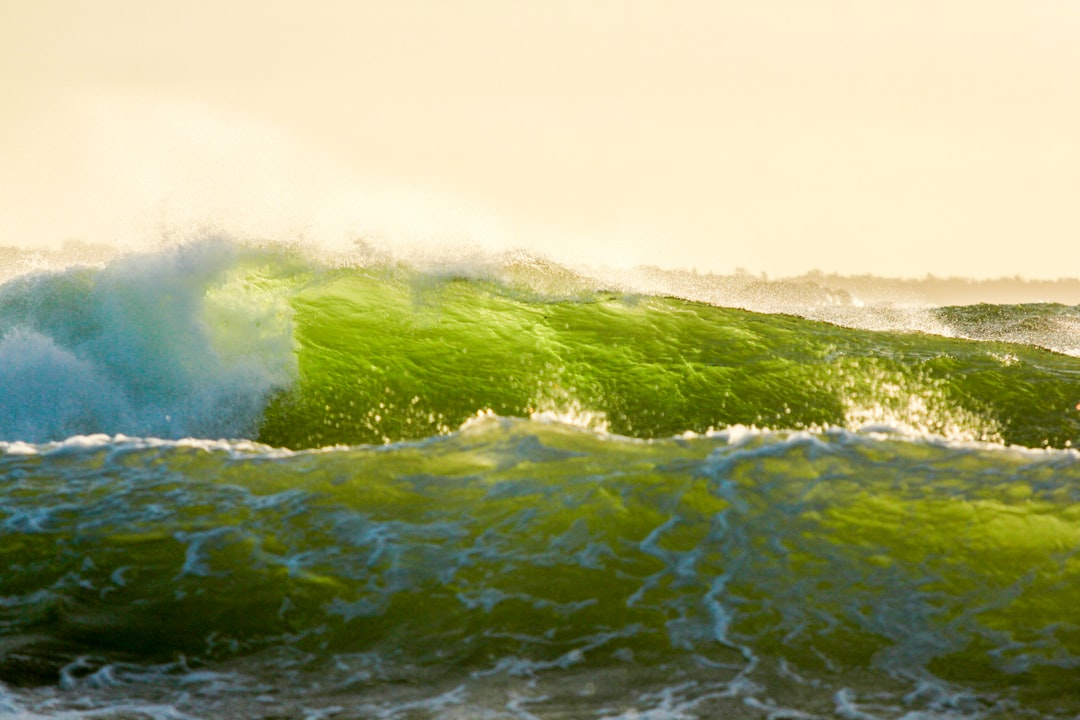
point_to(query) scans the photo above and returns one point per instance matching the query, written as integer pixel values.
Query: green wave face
(217, 340)
(837, 557)
(387, 355)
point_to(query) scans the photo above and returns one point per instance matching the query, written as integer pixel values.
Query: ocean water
(243, 481)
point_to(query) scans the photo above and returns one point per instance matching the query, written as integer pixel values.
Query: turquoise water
(513, 492)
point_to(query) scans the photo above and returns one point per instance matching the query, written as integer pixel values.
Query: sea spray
(187, 342)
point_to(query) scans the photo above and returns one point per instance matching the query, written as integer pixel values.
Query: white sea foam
(171, 344)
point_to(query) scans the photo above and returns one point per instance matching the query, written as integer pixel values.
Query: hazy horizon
(895, 138)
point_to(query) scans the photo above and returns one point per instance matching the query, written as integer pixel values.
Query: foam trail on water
(185, 342)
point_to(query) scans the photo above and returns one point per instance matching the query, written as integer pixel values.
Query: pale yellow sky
(900, 138)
